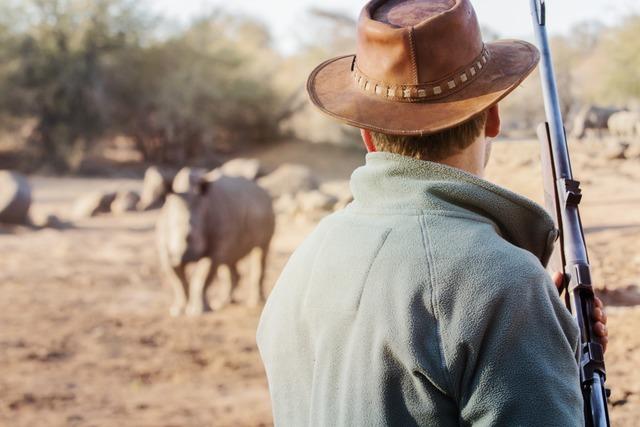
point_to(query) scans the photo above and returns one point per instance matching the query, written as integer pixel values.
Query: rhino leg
(233, 280)
(229, 275)
(203, 275)
(179, 284)
(258, 267)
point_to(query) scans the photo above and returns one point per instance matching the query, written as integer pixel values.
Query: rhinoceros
(625, 124)
(210, 220)
(591, 117)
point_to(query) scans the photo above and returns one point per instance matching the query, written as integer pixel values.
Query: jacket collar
(391, 183)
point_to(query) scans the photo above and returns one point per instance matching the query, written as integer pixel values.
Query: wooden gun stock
(551, 201)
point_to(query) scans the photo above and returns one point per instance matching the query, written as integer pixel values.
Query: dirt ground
(86, 339)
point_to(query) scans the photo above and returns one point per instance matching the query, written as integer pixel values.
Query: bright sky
(509, 18)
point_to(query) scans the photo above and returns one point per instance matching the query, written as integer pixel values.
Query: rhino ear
(203, 187)
(168, 186)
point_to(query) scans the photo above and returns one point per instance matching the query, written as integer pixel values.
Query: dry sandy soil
(86, 340)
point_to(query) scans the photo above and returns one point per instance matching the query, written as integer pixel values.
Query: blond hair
(436, 146)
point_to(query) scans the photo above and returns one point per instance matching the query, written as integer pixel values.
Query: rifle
(562, 197)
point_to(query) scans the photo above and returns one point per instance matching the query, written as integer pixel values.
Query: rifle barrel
(574, 251)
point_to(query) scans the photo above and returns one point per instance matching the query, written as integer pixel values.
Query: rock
(93, 204)
(48, 221)
(125, 201)
(154, 188)
(591, 117)
(286, 205)
(15, 198)
(633, 151)
(289, 179)
(245, 168)
(625, 124)
(615, 151)
(342, 204)
(340, 190)
(316, 201)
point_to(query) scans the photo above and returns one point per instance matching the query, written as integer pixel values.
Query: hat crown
(417, 42)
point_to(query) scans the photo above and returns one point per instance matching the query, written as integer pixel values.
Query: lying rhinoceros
(210, 220)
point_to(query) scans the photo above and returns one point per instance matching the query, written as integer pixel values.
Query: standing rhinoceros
(210, 220)
(625, 124)
(591, 117)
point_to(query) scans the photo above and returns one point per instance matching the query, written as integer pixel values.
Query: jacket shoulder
(474, 252)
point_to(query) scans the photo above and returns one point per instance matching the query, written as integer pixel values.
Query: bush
(89, 69)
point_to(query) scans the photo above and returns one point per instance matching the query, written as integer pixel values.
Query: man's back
(424, 302)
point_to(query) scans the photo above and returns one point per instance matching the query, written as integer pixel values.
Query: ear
(203, 187)
(368, 141)
(168, 186)
(492, 127)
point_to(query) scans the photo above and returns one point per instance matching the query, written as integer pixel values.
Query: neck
(472, 159)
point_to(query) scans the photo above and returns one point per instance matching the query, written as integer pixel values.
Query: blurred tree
(56, 74)
(204, 88)
(621, 73)
(88, 69)
(325, 34)
(84, 70)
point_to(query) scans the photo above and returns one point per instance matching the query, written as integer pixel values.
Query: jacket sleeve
(510, 344)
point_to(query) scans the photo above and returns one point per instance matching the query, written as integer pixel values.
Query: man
(426, 301)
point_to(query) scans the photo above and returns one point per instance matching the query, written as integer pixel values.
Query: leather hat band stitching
(427, 91)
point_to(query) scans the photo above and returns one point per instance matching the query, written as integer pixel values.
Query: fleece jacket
(424, 303)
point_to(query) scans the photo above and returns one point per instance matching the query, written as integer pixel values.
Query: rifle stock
(562, 197)
(557, 261)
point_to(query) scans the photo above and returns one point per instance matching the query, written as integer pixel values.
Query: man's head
(465, 146)
(422, 68)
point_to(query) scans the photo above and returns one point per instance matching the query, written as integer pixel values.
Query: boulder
(615, 151)
(286, 205)
(625, 124)
(154, 188)
(289, 179)
(45, 220)
(633, 151)
(341, 190)
(316, 201)
(15, 198)
(591, 117)
(93, 204)
(125, 201)
(245, 168)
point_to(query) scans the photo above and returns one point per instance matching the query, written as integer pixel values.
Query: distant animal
(15, 198)
(591, 117)
(625, 124)
(211, 220)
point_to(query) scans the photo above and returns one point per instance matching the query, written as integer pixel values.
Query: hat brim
(332, 88)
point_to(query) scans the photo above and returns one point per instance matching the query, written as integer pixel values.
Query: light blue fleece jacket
(425, 302)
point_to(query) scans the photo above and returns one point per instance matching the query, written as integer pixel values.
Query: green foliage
(88, 69)
(84, 70)
(622, 70)
(54, 70)
(594, 64)
(328, 34)
(196, 91)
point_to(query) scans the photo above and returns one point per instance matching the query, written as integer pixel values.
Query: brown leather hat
(421, 67)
